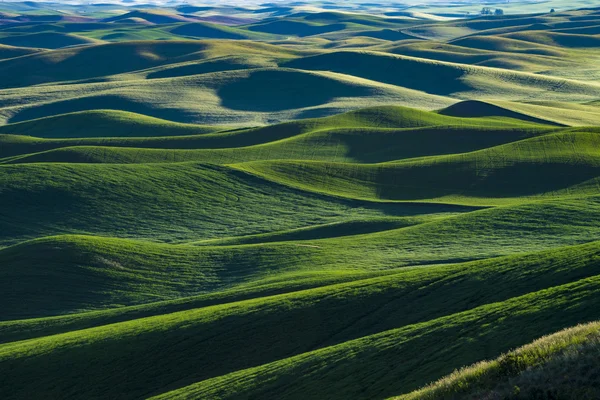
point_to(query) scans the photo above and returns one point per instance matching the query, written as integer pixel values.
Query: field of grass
(324, 201)
(558, 365)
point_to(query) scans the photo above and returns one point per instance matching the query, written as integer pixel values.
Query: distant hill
(11, 51)
(104, 59)
(213, 31)
(45, 40)
(152, 16)
(299, 201)
(98, 123)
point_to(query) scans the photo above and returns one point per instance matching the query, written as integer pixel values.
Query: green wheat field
(300, 200)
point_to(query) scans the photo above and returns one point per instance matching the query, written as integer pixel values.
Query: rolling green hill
(11, 51)
(334, 200)
(46, 40)
(332, 367)
(543, 164)
(174, 200)
(557, 39)
(504, 313)
(229, 97)
(102, 123)
(503, 44)
(207, 30)
(517, 56)
(559, 364)
(99, 60)
(296, 28)
(374, 135)
(152, 16)
(447, 78)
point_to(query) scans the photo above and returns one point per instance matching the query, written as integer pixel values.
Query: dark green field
(301, 201)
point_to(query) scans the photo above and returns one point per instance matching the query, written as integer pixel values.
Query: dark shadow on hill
(389, 209)
(278, 90)
(387, 34)
(44, 206)
(193, 9)
(406, 72)
(515, 179)
(475, 108)
(201, 30)
(106, 102)
(575, 41)
(373, 146)
(199, 68)
(295, 28)
(319, 112)
(45, 295)
(485, 23)
(49, 40)
(92, 62)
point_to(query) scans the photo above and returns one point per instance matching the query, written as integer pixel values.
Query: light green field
(324, 201)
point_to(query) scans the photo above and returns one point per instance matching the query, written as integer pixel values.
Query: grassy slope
(332, 25)
(493, 51)
(120, 264)
(375, 134)
(168, 202)
(217, 97)
(118, 58)
(214, 31)
(474, 109)
(581, 256)
(502, 44)
(394, 361)
(11, 52)
(232, 88)
(100, 60)
(383, 296)
(557, 39)
(560, 365)
(445, 78)
(544, 165)
(46, 40)
(153, 16)
(103, 123)
(157, 277)
(366, 145)
(216, 64)
(564, 113)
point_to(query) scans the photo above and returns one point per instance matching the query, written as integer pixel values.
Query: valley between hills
(299, 201)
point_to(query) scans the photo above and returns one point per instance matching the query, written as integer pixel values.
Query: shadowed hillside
(11, 52)
(46, 40)
(373, 134)
(100, 60)
(102, 123)
(309, 200)
(548, 365)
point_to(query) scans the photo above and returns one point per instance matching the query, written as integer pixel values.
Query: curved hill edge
(385, 119)
(483, 177)
(564, 289)
(543, 360)
(479, 108)
(330, 367)
(17, 330)
(49, 40)
(106, 122)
